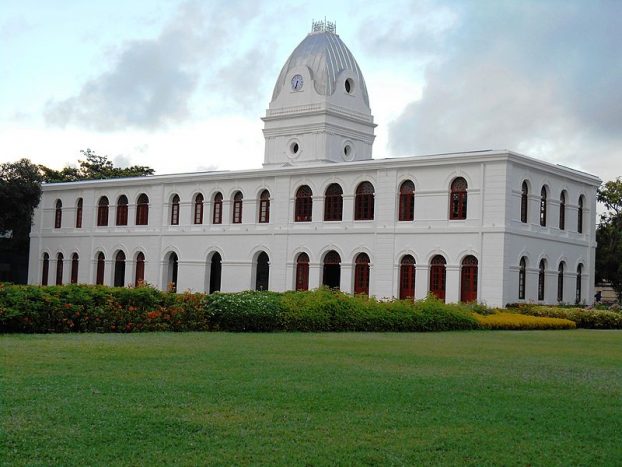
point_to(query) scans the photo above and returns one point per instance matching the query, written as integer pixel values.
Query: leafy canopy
(609, 236)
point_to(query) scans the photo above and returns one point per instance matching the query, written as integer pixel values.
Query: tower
(319, 111)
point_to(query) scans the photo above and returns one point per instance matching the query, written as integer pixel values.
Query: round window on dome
(349, 85)
(348, 152)
(294, 148)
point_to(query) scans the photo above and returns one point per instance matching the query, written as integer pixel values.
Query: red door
(302, 272)
(407, 278)
(468, 280)
(361, 274)
(437, 277)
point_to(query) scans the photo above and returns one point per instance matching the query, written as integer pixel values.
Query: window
(524, 202)
(102, 212)
(172, 272)
(264, 207)
(364, 202)
(79, 213)
(468, 279)
(331, 271)
(45, 271)
(217, 209)
(140, 269)
(302, 272)
(560, 282)
(198, 208)
(262, 273)
(522, 277)
(175, 210)
(458, 202)
(407, 201)
(580, 215)
(438, 274)
(333, 203)
(101, 264)
(59, 269)
(541, 271)
(237, 208)
(578, 293)
(58, 214)
(119, 269)
(543, 207)
(74, 268)
(562, 211)
(361, 274)
(407, 278)
(304, 204)
(142, 210)
(122, 210)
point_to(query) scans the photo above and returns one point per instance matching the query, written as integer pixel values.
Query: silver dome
(326, 56)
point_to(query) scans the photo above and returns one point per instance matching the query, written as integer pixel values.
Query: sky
(181, 85)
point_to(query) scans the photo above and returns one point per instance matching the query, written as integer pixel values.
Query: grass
(510, 398)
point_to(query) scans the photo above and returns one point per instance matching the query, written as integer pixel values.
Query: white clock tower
(319, 111)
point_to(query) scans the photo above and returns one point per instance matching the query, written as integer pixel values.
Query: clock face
(297, 83)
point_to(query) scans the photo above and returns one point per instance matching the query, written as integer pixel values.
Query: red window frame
(304, 204)
(79, 213)
(45, 272)
(140, 269)
(59, 269)
(458, 199)
(198, 208)
(302, 272)
(407, 278)
(175, 210)
(237, 208)
(101, 265)
(58, 214)
(102, 212)
(74, 268)
(364, 202)
(264, 207)
(122, 210)
(333, 203)
(438, 277)
(468, 279)
(361, 274)
(142, 210)
(407, 201)
(217, 210)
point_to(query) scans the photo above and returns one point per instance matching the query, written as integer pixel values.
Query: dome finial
(324, 26)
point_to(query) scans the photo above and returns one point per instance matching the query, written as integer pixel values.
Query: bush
(514, 321)
(583, 317)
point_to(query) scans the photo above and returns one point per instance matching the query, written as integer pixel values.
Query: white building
(492, 226)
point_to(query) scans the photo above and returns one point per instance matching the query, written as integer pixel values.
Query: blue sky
(181, 85)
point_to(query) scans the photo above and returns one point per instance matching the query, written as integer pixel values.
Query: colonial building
(493, 226)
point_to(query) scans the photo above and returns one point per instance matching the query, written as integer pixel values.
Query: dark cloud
(537, 77)
(151, 82)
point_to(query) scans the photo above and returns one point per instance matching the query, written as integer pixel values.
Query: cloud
(151, 82)
(537, 77)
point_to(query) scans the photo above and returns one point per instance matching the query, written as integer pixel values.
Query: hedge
(514, 321)
(583, 317)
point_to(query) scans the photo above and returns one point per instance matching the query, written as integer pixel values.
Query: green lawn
(511, 398)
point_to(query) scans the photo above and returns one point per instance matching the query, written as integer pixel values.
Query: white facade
(309, 128)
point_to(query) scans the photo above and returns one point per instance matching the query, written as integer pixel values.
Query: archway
(215, 273)
(438, 275)
(331, 270)
(361, 274)
(262, 275)
(119, 269)
(302, 272)
(468, 279)
(407, 278)
(172, 266)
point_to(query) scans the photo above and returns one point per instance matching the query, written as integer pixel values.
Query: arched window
(458, 206)
(172, 272)
(198, 208)
(331, 271)
(524, 202)
(541, 272)
(101, 264)
(59, 269)
(580, 215)
(264, 207)
(217, 209)
(139, 279)
(262, 273)
(578, 294)
(175, 210)
(58, 214)
(333, 203)
(79, 205)
(438, 274)
(364, 202)
(468, 279)
(102, 212)
(562, 211)
(122, 210)
(237, 208)
(119, 269)
(522, 277)
(74, 268)
(361, 274)
(543, 196)
(560, 282)
(304, 204)
(142, 210)
(302, 272)
(407, 277)
(407, 201)
(215, 273)
(45, 271)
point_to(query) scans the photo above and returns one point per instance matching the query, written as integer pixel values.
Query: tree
(609, 236)
(93, 167)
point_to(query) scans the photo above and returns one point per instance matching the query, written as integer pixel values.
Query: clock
(297, 83)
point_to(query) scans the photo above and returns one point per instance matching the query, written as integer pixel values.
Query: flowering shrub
(583, 317)
(514, 321)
